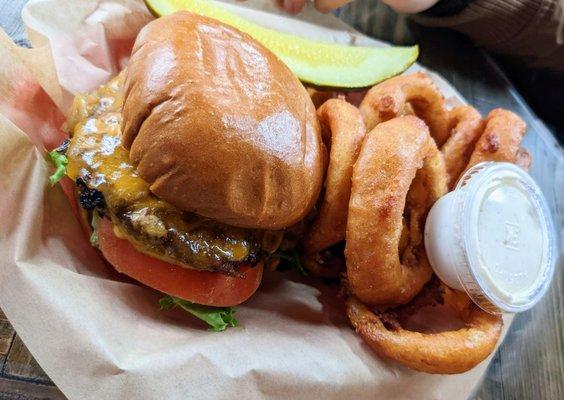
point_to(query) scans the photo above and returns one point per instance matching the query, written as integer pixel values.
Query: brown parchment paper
(98, 335)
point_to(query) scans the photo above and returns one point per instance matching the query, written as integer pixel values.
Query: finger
(291, 6)
(325, 6)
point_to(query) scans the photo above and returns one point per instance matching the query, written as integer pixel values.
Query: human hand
(401, 6)
(324, 6)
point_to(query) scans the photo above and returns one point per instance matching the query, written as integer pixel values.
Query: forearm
(531, 29)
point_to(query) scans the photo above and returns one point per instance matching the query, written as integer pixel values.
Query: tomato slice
(202, 287)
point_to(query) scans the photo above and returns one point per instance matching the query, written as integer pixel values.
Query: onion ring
(328, 263)
(318, 97)
(449, 352)
(399, 167)
(501, 139)
(523, 158)
(343, 130)
(465, 128)
(403, 95)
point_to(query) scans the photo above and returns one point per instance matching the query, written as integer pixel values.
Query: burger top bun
(219, 126)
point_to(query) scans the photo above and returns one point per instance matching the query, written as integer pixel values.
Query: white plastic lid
(493, 237)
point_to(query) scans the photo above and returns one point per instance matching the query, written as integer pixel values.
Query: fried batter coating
(523, 158)
(466, 126)
(399, 174)
(343, 131)
(501, 139)
(405, 94)
(449, 352)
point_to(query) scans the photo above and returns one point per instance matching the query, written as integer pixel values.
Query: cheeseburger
(187, 161)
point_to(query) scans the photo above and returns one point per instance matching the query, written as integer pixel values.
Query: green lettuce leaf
(60, 162)
(290, 260)
(94, 223)
(218, 318)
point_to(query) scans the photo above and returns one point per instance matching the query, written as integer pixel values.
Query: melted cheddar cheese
(96, 156)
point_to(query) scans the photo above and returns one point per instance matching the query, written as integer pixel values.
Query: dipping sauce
(493, 238)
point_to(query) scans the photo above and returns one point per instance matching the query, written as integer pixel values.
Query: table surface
(530, 362)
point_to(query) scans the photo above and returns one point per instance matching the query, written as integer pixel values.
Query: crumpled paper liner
(99, 335)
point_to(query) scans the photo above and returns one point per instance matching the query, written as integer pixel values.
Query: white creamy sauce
(493, 238)
(511, 241)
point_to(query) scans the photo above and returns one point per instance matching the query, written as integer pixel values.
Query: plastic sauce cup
(493, 237)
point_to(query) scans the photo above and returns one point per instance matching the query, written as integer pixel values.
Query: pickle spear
(316, 63)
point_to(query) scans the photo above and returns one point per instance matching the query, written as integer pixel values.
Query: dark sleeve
(530, 29)
(446, 8)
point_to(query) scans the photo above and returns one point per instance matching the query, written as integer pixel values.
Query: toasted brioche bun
(219, 126)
